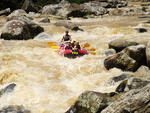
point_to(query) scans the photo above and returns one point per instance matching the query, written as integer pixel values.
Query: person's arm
(62, 39)
(70, 38)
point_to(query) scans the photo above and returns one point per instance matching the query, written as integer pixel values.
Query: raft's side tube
(65, 52)
(82, 51)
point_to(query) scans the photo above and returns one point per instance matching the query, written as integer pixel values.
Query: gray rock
(91, 102)
(134, 101)
(16, 13)
(120, 44)
(14, 109)
(138, 53)
(132, 83)
(66, 9)
(94, 8)
(120, 77)
(143, 72)
(43, 36)
(20, 29)
(148, 53)
(8, 89)
(5, 12)
(46, 20)
(122, 61)
(15, 30)
(130, 59)
(109, 52)
(141, 30)
(29, 6)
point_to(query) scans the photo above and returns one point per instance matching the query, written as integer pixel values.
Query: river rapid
(49, 83)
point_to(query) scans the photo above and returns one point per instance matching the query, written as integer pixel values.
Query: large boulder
(143, 72)
(134, 101)
(14, 109)
(138, 53)
(132, 83)
(5, 12)
(67, 9)
(148, 53)
(121, 61)
(20, 30)
(130, 59)
(60, 9)
(20, 27)
(29, 6)
(16, 13)
(94, 8)
(120, 44)
(91, 102)
(64, 9)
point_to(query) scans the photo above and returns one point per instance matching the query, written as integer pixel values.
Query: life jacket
(66, 37)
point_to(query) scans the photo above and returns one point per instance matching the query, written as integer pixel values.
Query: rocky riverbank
(113, 78)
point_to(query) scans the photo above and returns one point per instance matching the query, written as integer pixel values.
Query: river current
(49, 83)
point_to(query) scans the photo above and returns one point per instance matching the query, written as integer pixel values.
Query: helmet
(66, 31)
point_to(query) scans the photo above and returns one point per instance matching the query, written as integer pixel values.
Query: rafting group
(69, 48)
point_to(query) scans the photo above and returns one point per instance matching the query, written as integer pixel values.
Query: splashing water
(49, 83)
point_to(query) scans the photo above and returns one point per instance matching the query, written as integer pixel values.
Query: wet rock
(5, 12)
(121, 87)
(109, 52)
(134, 101)
(16, 13)
(29, 6)
(66, 9)
(138, 53)
(116, 12)
(21, 29)
(43, 36)
(141, 30)
(117, 3)
(94, 8)
(120, 77)
(46, 20)
(131, 83)
(60, 9)
(143, 72)
(91, 102)
(120, 44)
(122, 61)
(148, 53)
(76, 10)
(14, 109)
(8, 89)
(135, 83)
(33, 15)
(68, 25)
(130, 59)
(15, 30)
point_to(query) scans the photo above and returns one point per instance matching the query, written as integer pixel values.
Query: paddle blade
(54, 47)
(51, 43)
